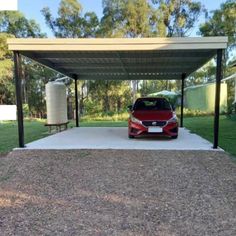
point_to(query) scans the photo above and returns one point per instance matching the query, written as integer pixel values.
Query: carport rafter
(162, 52)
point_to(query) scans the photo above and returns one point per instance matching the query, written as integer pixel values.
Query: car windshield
(151, 104)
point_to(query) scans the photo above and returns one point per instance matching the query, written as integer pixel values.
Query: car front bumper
(137, 129)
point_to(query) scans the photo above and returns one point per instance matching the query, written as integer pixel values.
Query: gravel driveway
(115, 192)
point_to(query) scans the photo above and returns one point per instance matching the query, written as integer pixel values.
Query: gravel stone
(117, 192)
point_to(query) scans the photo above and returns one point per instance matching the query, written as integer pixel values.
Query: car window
(152, 104)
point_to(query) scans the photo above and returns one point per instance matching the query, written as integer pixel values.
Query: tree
(126, 18)
(34, 76)
(70, 23)
(108, 95)
(90, 25)
(6, 82)
(178, 16)
(203, 75)
(222, 22)
(152, 86)
(16, 24)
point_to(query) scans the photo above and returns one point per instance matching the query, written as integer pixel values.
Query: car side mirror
(173, 108)
(130, 108)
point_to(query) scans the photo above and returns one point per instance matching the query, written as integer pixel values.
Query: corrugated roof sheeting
(123, 64)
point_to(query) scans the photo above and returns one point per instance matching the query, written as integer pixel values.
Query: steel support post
(76, 101)
(18, 86)
(217, 96)
(182, 100)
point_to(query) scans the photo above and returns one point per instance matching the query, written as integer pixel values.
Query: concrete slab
(116, 138)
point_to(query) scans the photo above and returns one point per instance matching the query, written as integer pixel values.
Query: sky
(32, 8)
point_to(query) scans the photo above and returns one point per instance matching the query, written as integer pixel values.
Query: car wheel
(174, 137)
(131, 136)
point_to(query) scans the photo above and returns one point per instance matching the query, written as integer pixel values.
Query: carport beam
(219, 76)
(182, 100)
(18, 86)
(76, 101)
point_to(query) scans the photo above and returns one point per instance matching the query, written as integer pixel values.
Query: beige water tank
(56, 103)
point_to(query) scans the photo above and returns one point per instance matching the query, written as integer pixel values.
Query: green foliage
(15, 23)
(26, 110)
(113, 14)
(4, 52)
(110, 116)
(140, 18)
(222, 22)
(108, 95)
(34, 79)
(137, 15)
(90, 25)
(192, 113)
(153, 86)
(70, 23)
(126, 18)
(178, 16)
(203, 75)
(6, 65)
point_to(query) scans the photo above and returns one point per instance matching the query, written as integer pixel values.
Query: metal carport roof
(120, 59)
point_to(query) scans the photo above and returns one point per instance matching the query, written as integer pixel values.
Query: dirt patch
(116, 192)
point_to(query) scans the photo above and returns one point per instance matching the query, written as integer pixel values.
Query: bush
(192, 113)
(26, 110)
(110, 116)
(124, 115)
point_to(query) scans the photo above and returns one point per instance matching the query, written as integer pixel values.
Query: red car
(152, 116)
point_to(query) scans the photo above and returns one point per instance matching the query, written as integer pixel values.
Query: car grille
(154, 123)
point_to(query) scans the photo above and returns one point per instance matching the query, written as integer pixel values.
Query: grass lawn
(200, 125)
(204, 127)
(9, 134)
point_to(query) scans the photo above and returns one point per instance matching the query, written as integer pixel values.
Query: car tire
(174, 137)
(131, 136)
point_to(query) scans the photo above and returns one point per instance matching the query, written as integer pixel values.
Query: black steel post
(76, 101)
(18, 86)
(182, 100)
(219, 75)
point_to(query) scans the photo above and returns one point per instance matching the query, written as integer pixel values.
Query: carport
(120, 59)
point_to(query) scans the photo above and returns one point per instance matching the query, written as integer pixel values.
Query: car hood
(153, 115)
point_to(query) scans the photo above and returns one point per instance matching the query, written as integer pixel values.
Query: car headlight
(135, 120)
(174, 119)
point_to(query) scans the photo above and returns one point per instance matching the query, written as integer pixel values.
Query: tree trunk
(167, 84)
(81, 107)
(134, 90)
(106, 98)
(118, 105)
